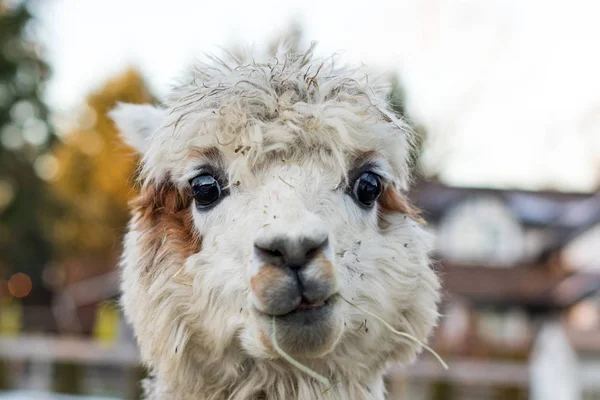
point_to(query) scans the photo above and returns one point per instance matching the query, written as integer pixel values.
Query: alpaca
(270, 193)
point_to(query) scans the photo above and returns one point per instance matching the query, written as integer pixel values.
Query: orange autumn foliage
(95, 178)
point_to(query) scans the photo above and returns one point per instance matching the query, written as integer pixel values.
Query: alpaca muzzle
(292, 269)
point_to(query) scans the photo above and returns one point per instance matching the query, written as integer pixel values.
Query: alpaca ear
(137, 123)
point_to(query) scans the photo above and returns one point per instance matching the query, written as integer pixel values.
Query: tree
(94, 180)
(25, 137)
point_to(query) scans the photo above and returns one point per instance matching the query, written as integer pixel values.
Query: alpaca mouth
(308, 314)
(311, 305)
(309, 330)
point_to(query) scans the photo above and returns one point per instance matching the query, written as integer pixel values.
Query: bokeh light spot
(19, 285)
(46, 167)
(22, 110)
(35, 132)
(11, 137)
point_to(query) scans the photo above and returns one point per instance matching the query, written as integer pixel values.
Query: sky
(509, 90)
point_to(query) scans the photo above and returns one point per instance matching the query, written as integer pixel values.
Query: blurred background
(504, 95)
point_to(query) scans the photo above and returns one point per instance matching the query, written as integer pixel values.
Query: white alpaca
(271, 192)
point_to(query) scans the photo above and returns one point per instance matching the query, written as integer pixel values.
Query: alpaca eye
(367, 188)
(206, 190)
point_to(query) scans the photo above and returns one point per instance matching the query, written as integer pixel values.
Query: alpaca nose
(293, 251)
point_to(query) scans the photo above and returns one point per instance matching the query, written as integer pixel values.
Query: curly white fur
(287, 134)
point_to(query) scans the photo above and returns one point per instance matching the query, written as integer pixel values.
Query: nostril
(273, 252)
(304, 250)
(316, 248)
(312, 252)
(312, 247)
(268, 251)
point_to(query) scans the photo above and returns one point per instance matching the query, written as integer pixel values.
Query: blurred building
(521, 275)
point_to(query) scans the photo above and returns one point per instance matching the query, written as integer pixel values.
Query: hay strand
(403, 334)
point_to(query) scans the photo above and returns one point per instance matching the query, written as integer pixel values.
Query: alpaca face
(266, 200)
(277, 237)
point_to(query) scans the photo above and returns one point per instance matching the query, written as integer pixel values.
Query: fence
(70, 365)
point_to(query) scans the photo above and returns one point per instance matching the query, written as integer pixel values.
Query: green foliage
(24, 137)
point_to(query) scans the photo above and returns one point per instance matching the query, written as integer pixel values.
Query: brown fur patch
(391, 201)
(268, 276)
(164, 220)
(324, 267)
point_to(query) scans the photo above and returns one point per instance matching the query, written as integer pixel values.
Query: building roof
(538, 290)
(540, 285)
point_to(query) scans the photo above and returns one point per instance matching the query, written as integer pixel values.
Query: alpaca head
(269, 192)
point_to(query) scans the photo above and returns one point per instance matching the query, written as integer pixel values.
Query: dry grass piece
(403, 334)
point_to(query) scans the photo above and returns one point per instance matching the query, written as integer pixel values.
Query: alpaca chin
(304, 333)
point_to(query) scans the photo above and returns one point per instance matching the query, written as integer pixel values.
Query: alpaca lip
(307, 311)
(305, 305)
